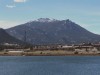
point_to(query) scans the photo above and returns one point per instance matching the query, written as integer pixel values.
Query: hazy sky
(84, 12)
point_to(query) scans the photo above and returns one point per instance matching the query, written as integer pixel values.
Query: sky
(86, 13)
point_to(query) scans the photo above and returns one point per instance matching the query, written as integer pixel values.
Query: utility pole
(25, 37)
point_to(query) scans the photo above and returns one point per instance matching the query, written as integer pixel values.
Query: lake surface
(50, 65)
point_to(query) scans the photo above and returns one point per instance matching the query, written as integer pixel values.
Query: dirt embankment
(49, 53)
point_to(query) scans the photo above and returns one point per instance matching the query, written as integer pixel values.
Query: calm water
(69, 65)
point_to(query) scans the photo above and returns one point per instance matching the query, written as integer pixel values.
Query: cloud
(20, 1)
(10, 6)
(17, 1)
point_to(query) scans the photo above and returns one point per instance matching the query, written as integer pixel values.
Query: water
(45, 65)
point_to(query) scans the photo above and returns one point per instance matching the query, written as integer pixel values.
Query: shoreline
(30, 54)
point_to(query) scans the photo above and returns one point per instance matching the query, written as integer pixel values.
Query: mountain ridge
(47, 31)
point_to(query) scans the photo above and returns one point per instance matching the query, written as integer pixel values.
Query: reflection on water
(45, 65)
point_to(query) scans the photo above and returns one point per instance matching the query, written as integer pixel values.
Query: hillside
(6, 38)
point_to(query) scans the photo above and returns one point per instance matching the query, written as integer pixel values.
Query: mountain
(47, 31)
(6, 38)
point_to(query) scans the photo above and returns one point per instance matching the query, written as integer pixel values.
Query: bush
(76, 52)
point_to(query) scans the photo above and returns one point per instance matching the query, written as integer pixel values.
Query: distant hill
(6, 38)
(46, 31)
